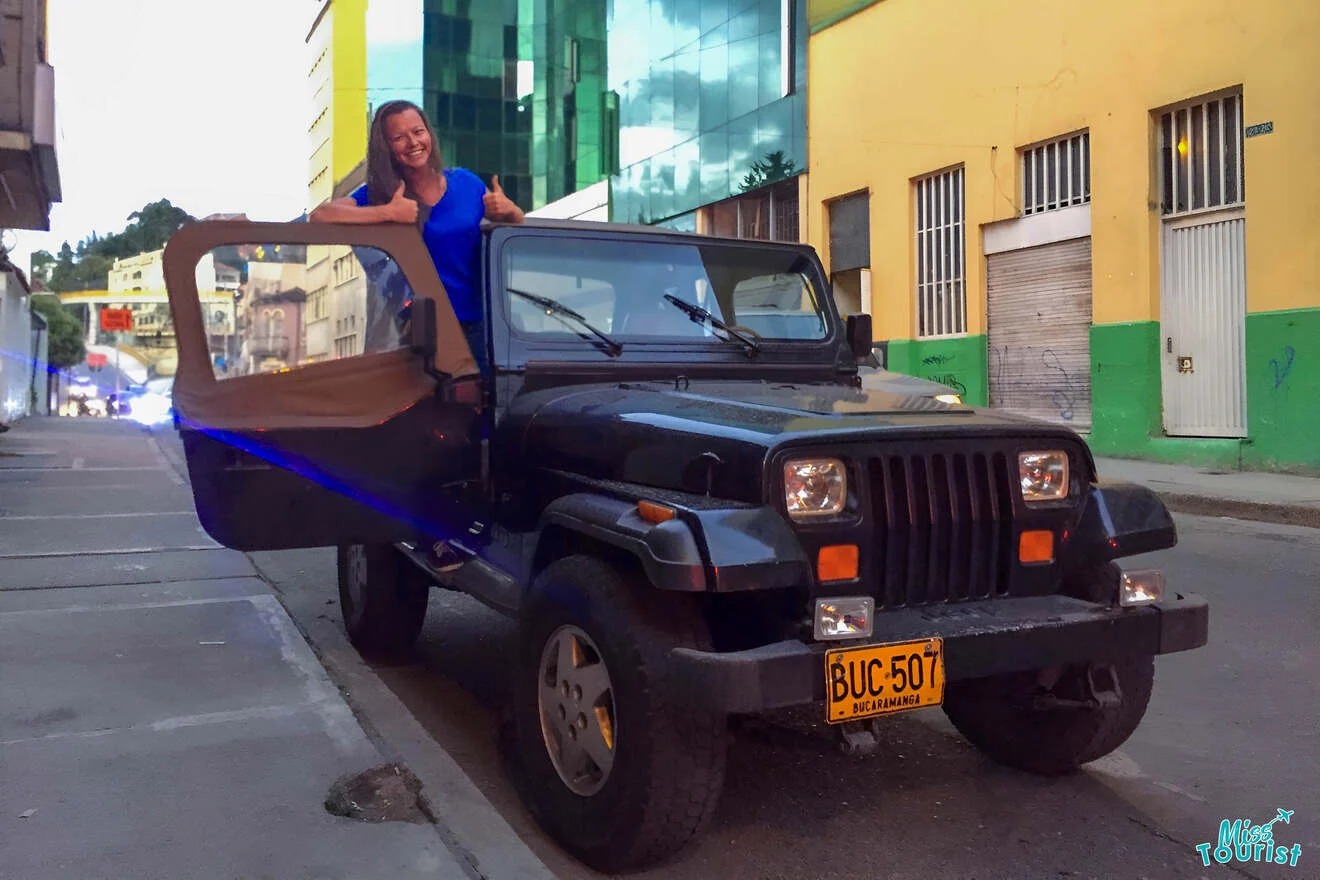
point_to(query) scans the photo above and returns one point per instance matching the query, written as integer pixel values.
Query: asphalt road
(1233, 731)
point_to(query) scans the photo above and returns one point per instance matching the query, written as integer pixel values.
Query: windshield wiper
(559, 310)
(698, 314)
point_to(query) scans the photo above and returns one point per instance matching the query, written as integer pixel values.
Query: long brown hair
(383, 174)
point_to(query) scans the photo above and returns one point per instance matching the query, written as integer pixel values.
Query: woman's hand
(346, 210)
(498, 205)
(401, 209)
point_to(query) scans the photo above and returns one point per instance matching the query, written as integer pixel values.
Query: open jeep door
(317, 403)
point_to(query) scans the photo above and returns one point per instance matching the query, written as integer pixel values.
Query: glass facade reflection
(710, 105)
(513, 87)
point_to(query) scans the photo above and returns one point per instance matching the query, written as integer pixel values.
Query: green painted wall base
(1283, 391)
(958, 362)
(1283, 397)
(1125, 387)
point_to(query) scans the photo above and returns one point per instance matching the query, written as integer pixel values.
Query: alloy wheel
(576, 703)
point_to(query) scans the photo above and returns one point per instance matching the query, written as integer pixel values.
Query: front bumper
(980, 639)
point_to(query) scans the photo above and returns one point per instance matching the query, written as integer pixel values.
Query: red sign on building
(116, 320)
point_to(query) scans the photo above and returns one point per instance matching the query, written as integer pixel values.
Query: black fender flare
(667, 551)
(1118, 519)
(700, 549)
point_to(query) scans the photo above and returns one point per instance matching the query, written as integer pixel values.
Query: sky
(200, 102)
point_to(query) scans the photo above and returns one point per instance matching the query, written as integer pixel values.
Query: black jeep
(672, 478)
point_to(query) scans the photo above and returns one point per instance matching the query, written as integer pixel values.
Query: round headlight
(815, 487)
(1043, 475)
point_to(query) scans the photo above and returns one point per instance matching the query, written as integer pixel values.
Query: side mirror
(859, 336)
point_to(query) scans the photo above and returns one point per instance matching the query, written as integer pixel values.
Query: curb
(473, 830)
(1208, 505)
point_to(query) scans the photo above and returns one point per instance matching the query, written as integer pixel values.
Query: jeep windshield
(658, 294)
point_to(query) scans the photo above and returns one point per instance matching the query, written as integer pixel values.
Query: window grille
(1201, 156)
(941, 246)
(1057, 174)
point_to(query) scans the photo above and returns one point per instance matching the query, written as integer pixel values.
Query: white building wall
(592, 203)
(16, 367)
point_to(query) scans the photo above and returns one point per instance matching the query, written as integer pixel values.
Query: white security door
(1203, 318)
(1039, 332)
(1203, 276)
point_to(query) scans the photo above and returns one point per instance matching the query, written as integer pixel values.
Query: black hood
(714, 436)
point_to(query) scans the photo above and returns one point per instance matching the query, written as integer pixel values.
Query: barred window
(941, 264)
(1057, 174)
(1201, 156)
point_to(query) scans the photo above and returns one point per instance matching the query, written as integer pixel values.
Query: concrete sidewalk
(160, 714)
(1267, 497)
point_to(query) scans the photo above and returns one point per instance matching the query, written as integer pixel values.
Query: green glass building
(513, 87)
(687, 107)
(712, 105)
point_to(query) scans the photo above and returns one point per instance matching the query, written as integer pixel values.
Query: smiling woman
(407, 182)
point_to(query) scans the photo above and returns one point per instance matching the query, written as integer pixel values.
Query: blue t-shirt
(453, 236)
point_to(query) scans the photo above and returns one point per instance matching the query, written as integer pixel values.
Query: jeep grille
(945, 527)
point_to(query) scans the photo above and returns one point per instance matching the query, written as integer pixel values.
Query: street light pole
(119, 340)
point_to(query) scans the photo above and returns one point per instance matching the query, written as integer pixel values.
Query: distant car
(155, 402)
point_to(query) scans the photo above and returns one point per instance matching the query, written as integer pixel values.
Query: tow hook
(859, 739)
(1100, 688)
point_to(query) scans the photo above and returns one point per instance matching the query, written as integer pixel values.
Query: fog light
(844, 617)
(1140, 588)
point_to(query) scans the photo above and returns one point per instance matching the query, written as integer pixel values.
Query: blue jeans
(475, 334)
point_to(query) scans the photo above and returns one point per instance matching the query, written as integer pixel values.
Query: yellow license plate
(883, 679)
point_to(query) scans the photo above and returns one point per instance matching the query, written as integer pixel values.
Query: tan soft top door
(301, 427)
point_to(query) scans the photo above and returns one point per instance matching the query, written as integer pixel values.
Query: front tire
(611, 758)
(383, 599)
(1002, 717)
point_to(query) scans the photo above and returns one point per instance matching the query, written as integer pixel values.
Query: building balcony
(29, 173)
(277, 347)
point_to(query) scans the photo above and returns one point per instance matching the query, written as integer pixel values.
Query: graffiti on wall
(1008, 369)
(1282, 366)
(951, 380)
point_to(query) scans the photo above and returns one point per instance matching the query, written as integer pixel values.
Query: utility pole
(119, 340)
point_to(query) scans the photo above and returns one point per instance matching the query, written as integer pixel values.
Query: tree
(62, 272)
(775, 166)
(152, 226)
(88, 267)
(66, 347)
(40, 265)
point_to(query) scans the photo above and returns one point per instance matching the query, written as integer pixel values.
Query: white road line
(122, 552)
(98, 515)
(140, 606)
(16, 487)
(164, 725)
(77, 465)
(156, 450)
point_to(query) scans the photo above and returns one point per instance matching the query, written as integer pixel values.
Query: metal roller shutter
(1040, 332)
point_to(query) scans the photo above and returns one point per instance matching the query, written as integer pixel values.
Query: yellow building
(335, 315)
(1101, 214)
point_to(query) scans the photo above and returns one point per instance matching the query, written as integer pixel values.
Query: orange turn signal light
(1036, 546)
(838, 562)
(654, 513)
